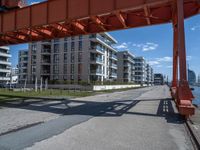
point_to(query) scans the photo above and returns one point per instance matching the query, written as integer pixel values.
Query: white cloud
(122, 46)
(33, 3)
(164, 59)
(153, 63)
(194, 28)
(189, 58)
(169, 66)
(148, 46)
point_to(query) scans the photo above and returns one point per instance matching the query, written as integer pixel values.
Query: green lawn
(8, 95)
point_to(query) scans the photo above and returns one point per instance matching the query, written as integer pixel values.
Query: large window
(65, 58)
(72, 46)
(56, 58)
(80, 46)
(65, 47)
(72, 68)
(72, 57)
(65, 69)
(56, 48)
(56, 69)
(79, 57)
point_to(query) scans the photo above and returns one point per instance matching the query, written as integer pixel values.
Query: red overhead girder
(75, 17)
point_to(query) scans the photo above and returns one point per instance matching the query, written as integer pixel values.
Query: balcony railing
(46, 51)
(113, 74)
(97, 48)
(113, 56)
(4, 54)
(97, 71)
(100, 60)
(113, 65)
(4, 78)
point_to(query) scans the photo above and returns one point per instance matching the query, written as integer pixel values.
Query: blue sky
(154, 43)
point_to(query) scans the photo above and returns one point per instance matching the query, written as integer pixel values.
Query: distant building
(125, 67)
(198, 79)
(150, 76)
(22, 66)
(191, 77)
(140, 70)
(5, 65)
(14, 75)
(158, 79)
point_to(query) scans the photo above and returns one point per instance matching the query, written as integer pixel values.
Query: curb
(193, 134)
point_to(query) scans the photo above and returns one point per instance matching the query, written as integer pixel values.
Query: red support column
(184, 94)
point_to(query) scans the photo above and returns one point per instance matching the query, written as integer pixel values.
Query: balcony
(112, 56)
(5, 70)
(97, 60)
(5, 63)
(45, 72)
(46, 62)
(46, 51)
(96, 71)
(5, 54)
(4, 78)
(98, 49)
(113, 66)
(113, 74)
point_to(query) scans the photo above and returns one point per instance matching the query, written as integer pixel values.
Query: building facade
(191, 77)
(23, 66)
(125, 63)
(88, 58)
(158, 79)
(150, 75)
(5, 65)
(140, 70)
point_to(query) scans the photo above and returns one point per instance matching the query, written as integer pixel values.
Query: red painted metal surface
(61, 18)
(182, 92)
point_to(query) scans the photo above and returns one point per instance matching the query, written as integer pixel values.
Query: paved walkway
(142, 119)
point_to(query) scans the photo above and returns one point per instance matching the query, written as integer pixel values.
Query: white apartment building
(140, 70)
(22, 66)
(126, 68)
(5, 65)
(150, 76)
(86, 58)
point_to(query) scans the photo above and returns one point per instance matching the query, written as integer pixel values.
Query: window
(55, 69)
(79, 57)
(65, 69)
(80, 37)
(72, 38)
(79, 68)
(33, 47)
(72, 46)
(80, 45)
(65, 58)
(66, 39)
(56, 48)
(56, 58)
(72, 57)
(65, 47)
(55, 77)
(56, 40)
(72, 68)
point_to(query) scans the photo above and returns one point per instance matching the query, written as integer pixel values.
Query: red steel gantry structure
(61, 18)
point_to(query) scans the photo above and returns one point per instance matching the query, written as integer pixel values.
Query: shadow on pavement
(104, 109)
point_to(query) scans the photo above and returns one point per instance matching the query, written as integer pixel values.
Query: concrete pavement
(142, 119)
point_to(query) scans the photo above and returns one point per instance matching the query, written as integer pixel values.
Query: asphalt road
(142, 119)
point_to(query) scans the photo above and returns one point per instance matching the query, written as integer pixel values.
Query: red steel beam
(184, 94)
(79, 13)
